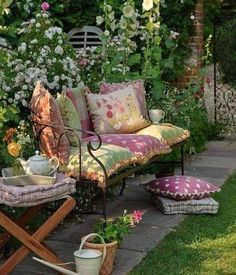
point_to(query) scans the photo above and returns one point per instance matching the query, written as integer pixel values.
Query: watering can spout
(56, 267)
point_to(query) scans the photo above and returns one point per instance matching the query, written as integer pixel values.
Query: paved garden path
(214, 165)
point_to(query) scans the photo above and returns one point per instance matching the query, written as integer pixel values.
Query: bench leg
(182, 159)
(104, 203)
(122, 187)
(32, 243)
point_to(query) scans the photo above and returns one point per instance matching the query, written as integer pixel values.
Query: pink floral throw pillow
(106, 88)
(181, 187)
(118, 112)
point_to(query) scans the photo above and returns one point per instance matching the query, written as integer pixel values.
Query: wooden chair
(86, 36)
(31, 242)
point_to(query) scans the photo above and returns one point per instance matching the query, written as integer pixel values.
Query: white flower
(147, 5)
(38, 25)
(22, 47)
(109, 8)
(45, 15)
(128, 11)
(32, 21)
(34, 41)
(111, 16)
(59, 50)
(123, 24)
(106, 33)
(17, 96)
(24, 103)
(56, 78)
(58, 30)
(99, 20)
(113, 25)
(174, 34)
(48, 34)
(24, 87)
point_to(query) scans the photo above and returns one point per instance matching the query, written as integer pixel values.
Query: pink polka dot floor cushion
(181, 187)
(143, 146)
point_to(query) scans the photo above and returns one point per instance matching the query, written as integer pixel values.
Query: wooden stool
(31, 243)
(34, 198)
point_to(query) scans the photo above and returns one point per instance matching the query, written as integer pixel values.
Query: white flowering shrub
(43, 53)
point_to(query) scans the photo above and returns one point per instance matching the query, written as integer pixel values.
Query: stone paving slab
(130, 257)
(214, 165)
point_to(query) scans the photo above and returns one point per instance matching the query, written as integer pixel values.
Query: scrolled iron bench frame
(114, 179)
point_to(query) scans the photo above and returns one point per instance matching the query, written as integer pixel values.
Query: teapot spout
(56, 267)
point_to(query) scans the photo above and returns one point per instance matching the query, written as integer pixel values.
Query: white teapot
(39, 165)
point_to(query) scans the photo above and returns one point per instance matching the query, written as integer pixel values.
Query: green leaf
(134, 59)
(150, 26)
(169, 43)
(168, 63)
(158, 90)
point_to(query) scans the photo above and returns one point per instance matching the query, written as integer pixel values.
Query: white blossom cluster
(42, 54)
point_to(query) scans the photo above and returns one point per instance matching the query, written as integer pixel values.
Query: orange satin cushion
(45, 111)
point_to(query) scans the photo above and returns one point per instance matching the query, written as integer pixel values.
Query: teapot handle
(57, 165)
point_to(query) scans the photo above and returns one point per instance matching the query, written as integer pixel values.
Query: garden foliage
(139, 42)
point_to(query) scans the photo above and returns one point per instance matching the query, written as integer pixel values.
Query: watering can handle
(104, 245)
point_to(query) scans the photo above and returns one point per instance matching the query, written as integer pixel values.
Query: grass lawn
(202, 244)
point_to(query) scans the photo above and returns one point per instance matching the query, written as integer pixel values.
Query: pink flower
(208, 80)
(45, 6)
(109, 114)
(83, 62)
(137, 216)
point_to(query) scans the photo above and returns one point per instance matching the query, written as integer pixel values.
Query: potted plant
(113, 233)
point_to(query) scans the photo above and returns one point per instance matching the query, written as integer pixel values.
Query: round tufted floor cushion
(181, 187)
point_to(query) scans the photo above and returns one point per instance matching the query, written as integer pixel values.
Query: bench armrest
(91, 146)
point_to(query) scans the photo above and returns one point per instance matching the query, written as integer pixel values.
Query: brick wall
(196, 43)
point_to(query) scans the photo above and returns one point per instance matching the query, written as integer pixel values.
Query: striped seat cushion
(24, 196)
(170, 207)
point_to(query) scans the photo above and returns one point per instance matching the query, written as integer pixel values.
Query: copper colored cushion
(45, 111)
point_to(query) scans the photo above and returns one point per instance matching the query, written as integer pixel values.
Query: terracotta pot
(108, 263)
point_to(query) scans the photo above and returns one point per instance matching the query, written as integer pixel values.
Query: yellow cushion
(112, 157)
(167, 132)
